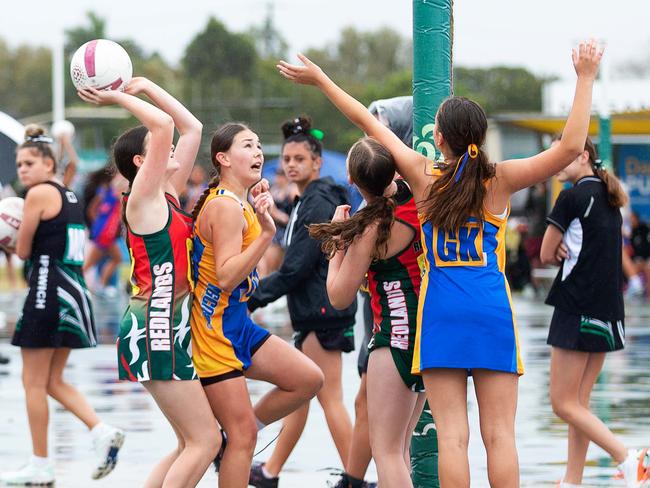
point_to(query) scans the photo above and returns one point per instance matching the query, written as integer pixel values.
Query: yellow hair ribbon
(472, 150)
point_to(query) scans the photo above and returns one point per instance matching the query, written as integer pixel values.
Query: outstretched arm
(410, 164)
(188, 126)
(517, 174)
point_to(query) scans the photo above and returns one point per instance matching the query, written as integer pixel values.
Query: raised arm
(66, 147)
(410, 164)
(188, 126)
(151, 177)
(517, 174)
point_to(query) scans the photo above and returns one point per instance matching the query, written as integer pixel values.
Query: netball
(101, 64)
(11, 214)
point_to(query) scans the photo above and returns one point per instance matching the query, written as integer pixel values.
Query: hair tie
(598, 163)
(39, 138)
(472, 150)
(317, 134)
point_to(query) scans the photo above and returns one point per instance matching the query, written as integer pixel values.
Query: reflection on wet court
(621, 398)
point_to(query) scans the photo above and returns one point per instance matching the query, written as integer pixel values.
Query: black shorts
(336, 339)
(578, 332)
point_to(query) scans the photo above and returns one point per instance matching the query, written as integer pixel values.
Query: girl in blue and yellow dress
(465, 319)
(230, 237)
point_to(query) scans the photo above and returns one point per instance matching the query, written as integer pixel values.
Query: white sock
(40, 462)
(98, 430)
(259, 423)
(564, 484)
(266, 474)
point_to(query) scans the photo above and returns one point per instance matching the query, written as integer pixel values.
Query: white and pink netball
(101, 64)
(11, 215)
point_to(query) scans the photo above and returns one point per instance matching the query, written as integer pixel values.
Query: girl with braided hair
(584, 239)
(466, 323)
(381, 240)
(230, 237)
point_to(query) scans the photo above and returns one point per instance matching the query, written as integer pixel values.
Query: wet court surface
(621, 398)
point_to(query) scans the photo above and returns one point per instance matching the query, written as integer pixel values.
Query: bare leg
(415, 417)
(390, 407)
(296, 377)
(194, 421)
(292, 428)
(157, 474)
(36, 373)
(567, 372)
(232, 406)
(331, 395)
(66, 394)
(578, 442)
(447, 395)
(496, 393)
(109, 268)
(360, 453)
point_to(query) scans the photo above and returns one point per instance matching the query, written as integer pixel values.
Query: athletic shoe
(344, 482)
(30, 475)
(635, 470)
(217, 460)
(564, 484)
(106, 445)
(258, 480)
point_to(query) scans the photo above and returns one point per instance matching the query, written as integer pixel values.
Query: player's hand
(97, 97)
(309, 74)
(260, 187)
(263, 203)
(562, 252)
(341, 213)
(586, 58)
(137, 85)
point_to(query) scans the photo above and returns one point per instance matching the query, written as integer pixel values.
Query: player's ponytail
(36, 140)
(221, 142)
(128, 145)
(372, 168)
(458, 193)
(616, 195)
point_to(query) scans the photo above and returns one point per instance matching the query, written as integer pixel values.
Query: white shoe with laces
(635, 470)
(31, 474)
(106, 444)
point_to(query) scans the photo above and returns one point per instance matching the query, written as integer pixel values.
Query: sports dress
(154, 342)
(57, 310)
(105, 229)
(465, 314)
(587, 291)
(225, 338)
(394, 286)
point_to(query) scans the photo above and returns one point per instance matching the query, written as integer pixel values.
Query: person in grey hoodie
(321, 331)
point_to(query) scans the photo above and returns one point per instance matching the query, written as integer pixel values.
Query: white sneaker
(106, 445)
(30, 475)
(635, 470)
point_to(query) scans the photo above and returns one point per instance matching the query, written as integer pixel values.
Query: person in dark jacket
(321, 331)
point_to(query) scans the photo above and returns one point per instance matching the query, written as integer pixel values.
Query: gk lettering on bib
(463, 247)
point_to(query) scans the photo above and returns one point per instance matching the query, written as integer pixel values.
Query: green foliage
(500, 89)
(225, 75)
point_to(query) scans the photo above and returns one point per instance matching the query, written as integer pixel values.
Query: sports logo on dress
(463, 247)
(72, 198)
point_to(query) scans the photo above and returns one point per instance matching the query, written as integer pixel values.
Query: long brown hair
(221, 142)
(458, 193)
(616, 196)
(372, 168)
(37, 141)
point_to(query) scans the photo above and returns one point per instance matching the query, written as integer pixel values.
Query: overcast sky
(537, 35)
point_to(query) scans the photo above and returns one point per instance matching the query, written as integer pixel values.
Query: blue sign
(633, 164)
